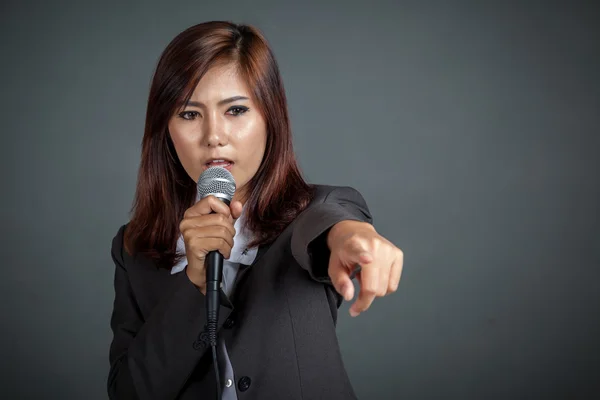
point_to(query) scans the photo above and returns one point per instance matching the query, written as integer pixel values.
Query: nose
(216, 135)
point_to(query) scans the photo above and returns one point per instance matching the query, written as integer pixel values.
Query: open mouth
(219, 163)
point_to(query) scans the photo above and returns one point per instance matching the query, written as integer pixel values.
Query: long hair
(277, 192)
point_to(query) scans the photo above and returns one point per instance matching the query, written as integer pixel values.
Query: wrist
(345, 228)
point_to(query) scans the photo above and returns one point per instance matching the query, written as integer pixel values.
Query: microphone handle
(214, 276)
(214, 270)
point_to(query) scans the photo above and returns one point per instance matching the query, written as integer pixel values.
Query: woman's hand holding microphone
(207, 226)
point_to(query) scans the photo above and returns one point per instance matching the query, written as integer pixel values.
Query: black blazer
(279, 331)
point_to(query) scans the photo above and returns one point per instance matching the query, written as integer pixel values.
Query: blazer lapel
(243, 269)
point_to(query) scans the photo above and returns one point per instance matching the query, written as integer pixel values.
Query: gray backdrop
(472, 131)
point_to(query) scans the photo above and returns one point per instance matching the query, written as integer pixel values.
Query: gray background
(472, 131)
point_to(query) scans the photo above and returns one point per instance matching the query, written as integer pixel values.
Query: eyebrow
(222, 102)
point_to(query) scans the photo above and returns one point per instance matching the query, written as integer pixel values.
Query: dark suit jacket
(280, 330)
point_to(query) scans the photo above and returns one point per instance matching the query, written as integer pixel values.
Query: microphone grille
(216, 181)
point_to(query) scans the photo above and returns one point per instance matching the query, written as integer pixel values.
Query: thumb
(236, 209)
(340, 278)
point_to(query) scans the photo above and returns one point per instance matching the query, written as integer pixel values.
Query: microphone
(218, 182)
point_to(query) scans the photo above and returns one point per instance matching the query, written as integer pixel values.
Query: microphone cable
(216, 364)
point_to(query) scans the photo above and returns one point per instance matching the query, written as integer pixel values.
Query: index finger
(208, 205)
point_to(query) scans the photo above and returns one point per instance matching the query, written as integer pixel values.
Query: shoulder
(338, 200)
(332, 193)
(117, 250)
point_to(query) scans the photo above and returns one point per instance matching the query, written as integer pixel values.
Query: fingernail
(348, 292)
(353, 313)
(344, 291)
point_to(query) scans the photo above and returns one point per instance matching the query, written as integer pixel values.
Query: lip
(226, 163)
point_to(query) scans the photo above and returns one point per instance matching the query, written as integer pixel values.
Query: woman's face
(220, 125)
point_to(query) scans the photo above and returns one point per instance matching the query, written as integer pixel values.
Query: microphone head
(216, 181)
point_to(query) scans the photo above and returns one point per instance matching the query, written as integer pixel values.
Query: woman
(217, 99)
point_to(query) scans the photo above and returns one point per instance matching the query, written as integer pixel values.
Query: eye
(237, 110)
(189, 115)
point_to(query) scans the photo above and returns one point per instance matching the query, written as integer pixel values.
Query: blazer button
(229, 322)
(244, 383)
(198, 345)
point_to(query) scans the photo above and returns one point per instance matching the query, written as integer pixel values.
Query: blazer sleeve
(153, 358)
(309, 236)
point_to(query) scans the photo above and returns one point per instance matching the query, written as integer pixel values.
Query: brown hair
(277, 192)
